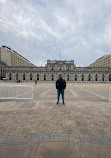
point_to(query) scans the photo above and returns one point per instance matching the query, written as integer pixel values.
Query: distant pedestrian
(35, 82)
(60, 86)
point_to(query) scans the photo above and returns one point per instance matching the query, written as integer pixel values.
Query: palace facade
(53, 68)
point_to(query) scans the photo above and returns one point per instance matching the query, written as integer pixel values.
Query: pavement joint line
(92, 93)
(95, 94)
(46, 92)
(74, 94)
(55, 138)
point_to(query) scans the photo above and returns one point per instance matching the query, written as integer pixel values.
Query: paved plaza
(39, 128)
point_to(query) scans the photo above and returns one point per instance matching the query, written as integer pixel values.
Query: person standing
(35, 82)
(60, 86)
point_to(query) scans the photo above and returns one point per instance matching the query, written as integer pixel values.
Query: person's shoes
(63, 103)
(57, 103)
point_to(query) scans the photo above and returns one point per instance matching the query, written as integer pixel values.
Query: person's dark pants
(58, 94)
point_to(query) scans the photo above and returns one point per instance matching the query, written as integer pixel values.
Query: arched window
(103, 77)
(44, 77)
(75, 77)
(52, 76)
(96, 77)
(110, 77)
(89, 77)
(30, 76)
(68, 77)
(37, 76)
(16, 76)
(24, 76)
(10, 76)
(82, 77)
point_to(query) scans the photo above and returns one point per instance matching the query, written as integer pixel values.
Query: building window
(89, 77)
(44, 77)
(24, 78)
(75, 77)
(110, 77)
(37, 78)
(30, 78)
(52, 77)
(103, 77)
(10, 78)
(82, 77)
(68, 77)
(96, 77)
(60, 69)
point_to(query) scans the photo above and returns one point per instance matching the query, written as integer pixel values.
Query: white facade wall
(52, 70)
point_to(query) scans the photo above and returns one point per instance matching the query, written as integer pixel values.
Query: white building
(53, 68)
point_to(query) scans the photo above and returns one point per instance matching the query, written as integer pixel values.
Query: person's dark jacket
(60, 84)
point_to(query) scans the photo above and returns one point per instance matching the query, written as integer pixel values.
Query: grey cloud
(41, 29)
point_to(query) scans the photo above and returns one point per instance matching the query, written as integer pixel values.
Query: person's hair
(60, 74)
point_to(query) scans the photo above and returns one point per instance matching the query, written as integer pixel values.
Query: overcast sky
(41, 29)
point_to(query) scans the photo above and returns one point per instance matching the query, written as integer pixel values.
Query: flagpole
(60, 55)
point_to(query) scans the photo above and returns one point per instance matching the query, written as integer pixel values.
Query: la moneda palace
(15, 67)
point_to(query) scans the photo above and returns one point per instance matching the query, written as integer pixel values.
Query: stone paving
(84, 119)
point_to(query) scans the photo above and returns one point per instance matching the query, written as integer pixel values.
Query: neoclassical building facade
(53, 68)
